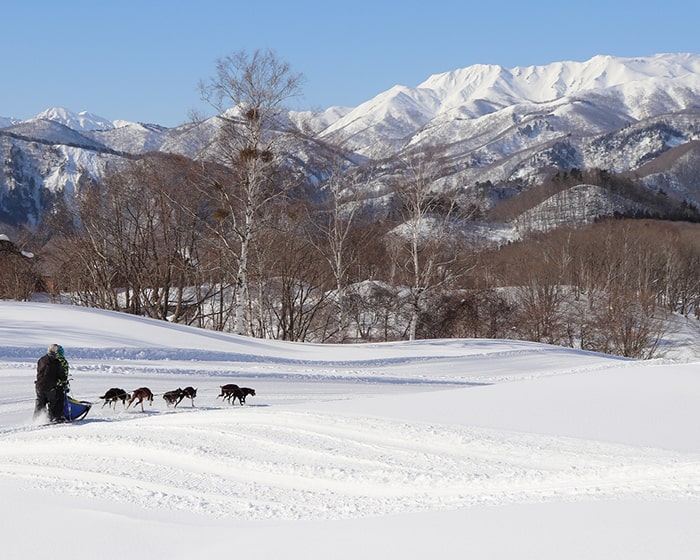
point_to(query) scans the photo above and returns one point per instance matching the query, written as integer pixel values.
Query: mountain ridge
(489, 123)
(517, 84)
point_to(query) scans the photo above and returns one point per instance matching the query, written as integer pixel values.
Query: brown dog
(140, 394)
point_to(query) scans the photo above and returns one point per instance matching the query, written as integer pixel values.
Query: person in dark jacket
(51, 383)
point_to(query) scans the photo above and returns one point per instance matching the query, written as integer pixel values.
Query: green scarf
(64, 364)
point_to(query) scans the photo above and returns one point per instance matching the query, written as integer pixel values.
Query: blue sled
(74, 409)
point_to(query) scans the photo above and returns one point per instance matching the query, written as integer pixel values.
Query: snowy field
(439, 449)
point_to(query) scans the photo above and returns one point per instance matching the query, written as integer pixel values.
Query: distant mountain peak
(82, 121)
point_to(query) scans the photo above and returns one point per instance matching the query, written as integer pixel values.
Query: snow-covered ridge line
(491, 83)
(545, 83)
(481, 89)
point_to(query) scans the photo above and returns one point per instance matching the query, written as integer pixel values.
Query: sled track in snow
(262, 463)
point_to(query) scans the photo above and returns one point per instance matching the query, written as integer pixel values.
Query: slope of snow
(496, 449)
(578, 205)
(393, 114)
(51, 132)
(131, 137)
(316, 121)
(76, 163)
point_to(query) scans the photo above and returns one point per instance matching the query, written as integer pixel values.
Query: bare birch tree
(249, 92)
(426, 244)
(334, 226)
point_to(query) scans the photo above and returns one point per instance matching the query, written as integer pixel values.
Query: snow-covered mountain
(603, 92)
(77, 121)
(490, 124)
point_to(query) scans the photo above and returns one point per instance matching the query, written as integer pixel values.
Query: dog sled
(73, 409)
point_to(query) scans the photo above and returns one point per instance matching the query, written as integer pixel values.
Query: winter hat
(60, 350)
(54, 349)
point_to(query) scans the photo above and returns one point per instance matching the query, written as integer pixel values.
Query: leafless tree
(621, 265)
(427, 243)
(19, 275)
(249, 92)
(135, 248)
(334, 227)
(289, 296)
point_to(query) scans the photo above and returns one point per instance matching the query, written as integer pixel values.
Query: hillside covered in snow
(492, 449)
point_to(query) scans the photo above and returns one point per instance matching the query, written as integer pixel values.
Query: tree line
(608, 287)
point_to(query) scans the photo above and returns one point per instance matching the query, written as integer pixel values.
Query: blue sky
(142, 61)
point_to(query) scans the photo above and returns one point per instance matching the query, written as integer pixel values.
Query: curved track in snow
(258, 463)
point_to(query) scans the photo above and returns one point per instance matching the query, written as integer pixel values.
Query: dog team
(229, 392)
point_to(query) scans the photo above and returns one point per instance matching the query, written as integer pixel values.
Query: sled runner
(74, 409)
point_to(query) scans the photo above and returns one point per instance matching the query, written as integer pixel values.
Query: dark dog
(139, 395)
(113, 395)
(189, 393)
(241, 394)
(228, 390)
(174, 397)
(233, 392)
